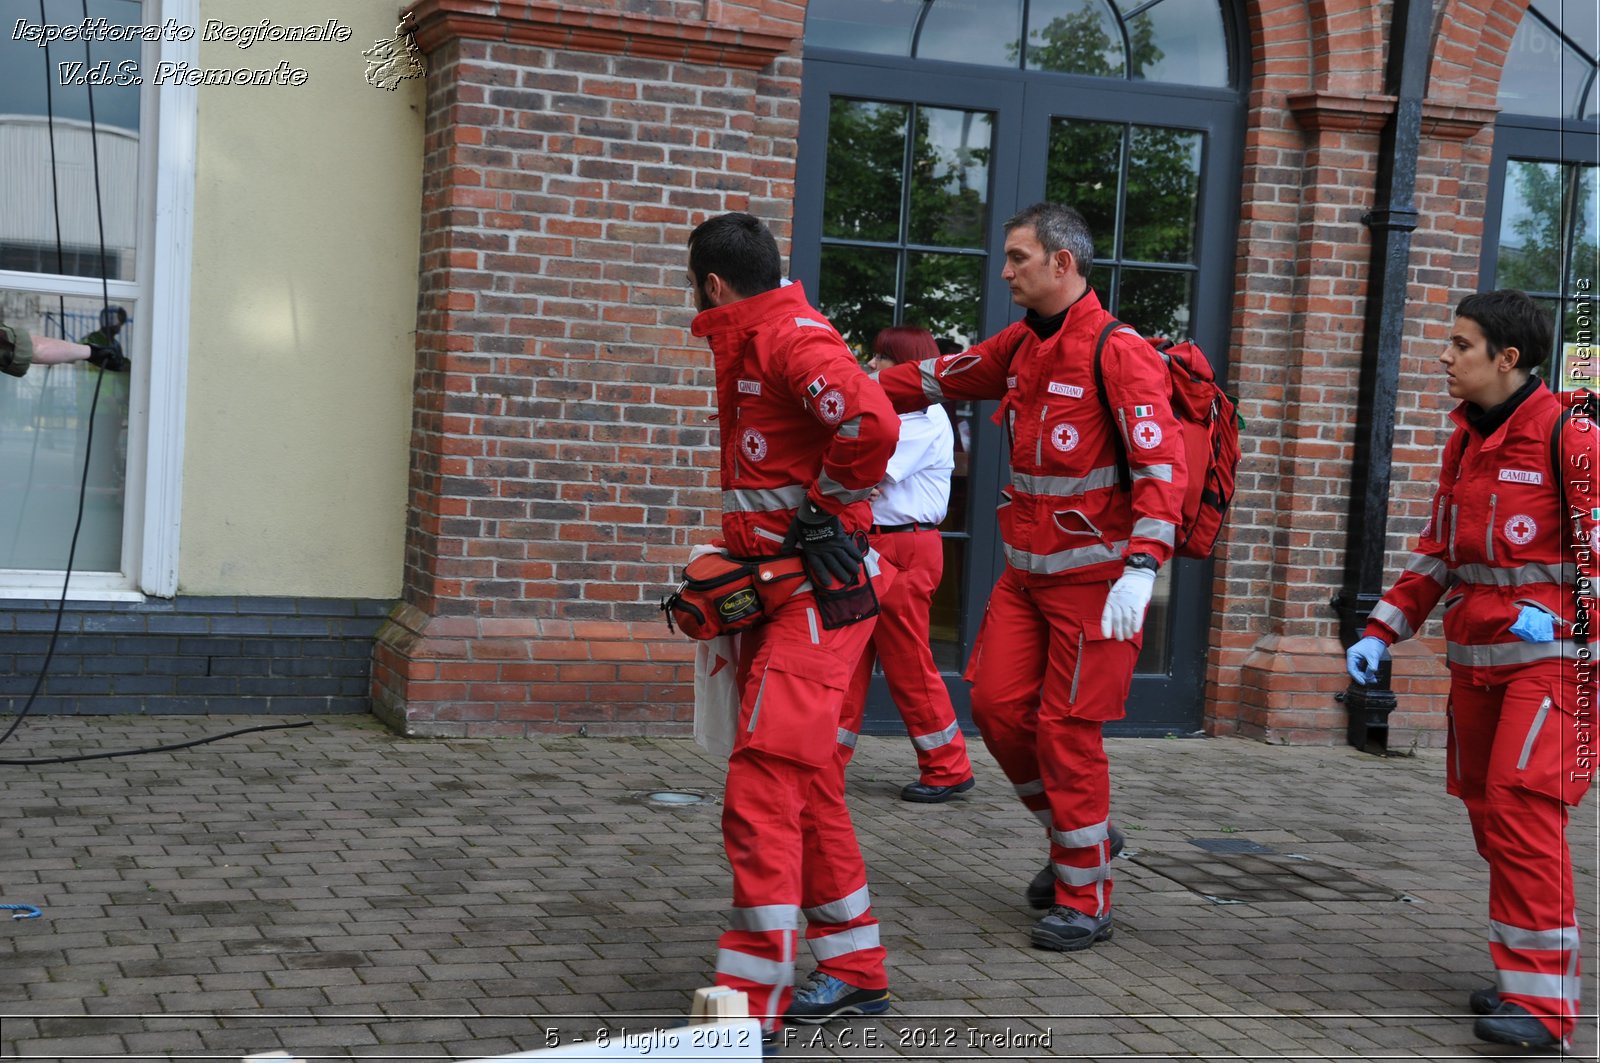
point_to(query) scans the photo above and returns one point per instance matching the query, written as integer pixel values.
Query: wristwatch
(1144, 561)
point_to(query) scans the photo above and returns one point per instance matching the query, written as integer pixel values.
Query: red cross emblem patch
(831, 407)
(1146, 434)
(1521, 529)
(754, 444)
(1064, 437)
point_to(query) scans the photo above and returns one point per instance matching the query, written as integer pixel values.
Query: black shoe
(923, 794)
(825, 997)
(1484, 1001)
(1042, 890)
(1069, 930)
(1512, 1024)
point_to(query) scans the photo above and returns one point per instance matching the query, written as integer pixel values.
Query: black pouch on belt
(842, 606)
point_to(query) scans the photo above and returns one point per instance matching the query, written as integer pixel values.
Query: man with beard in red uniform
(1054, 659)
(806, 436)
(1506, 558)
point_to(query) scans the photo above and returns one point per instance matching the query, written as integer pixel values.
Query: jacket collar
(1527, 402)
(750, 313)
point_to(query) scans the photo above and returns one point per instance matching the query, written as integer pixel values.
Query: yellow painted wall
(306, 219)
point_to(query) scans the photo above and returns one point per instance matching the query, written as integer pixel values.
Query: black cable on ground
(153, 749)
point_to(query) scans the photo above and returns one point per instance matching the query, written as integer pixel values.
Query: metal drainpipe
(1391, 221)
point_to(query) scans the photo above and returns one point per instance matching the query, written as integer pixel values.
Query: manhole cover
(1229, 845)
(1238, 877)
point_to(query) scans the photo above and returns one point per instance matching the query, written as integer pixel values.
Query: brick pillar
(1276, 663)
(562, 450)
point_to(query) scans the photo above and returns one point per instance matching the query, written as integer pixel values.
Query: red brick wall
(563, 456)
(1316, 109)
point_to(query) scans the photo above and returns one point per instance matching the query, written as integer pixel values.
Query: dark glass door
(906, 180)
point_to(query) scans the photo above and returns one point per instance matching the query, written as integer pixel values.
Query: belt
(917, 525)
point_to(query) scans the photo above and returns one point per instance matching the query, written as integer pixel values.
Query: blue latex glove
(1362, 659)
(1534, 625)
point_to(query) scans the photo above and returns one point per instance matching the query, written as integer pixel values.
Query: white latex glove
(1125, 605)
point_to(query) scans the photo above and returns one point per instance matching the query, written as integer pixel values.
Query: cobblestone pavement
(342, 893)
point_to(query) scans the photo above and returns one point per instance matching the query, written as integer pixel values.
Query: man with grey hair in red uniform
(1054, 658)
(806, 436)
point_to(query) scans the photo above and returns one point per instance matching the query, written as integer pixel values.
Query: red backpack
(1210, 423)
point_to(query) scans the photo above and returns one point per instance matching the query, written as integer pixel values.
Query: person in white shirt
(906, 510)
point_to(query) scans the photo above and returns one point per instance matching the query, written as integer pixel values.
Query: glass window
(1553, 36)
(972, 31)
(1182, 42)
(70, 206)
(905, 213)
(883, 27)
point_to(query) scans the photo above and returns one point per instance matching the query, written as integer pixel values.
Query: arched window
(1542, 232)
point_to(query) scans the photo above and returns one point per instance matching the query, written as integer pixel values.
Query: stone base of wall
(483, 677)
(1289, 686)
(191, 655)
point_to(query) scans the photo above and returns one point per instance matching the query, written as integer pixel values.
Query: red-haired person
(1506, 557)
(906, 510)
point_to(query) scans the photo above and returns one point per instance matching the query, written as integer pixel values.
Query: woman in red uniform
(906, 510)
(1510, 534)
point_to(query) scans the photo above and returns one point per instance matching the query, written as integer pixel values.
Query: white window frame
(152, 507)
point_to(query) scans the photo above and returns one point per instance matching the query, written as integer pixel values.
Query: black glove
(830, 555)
(110, 358)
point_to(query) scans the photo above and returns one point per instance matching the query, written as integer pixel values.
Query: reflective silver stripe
(1519, 576)
(1453, 512)
(1488, 532)
(848, 738)
(1533, 733)
(1077, 672)
(1159, 530)
(1082, 876)
(1515, 937)
(1082, 837)
(755, 710)
(851, 429)
(1152, 472)
(766, 917)
(936, 738)
(842, 910)
(775, 537)
(1391, 617)
(763, 499)
(1029, 789)
(832, 946)
(1545, 986)
(806, 322)
(811, 621)
(754, 968)
(1432, 567)
(1064, 486)
(832, 488)
(1065, 560)
(1510, 653)
(930, 380)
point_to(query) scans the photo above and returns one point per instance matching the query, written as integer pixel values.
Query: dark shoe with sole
(1042, 890)
(923, 794)
(1513, 1024)
(1069, 930)
(824, 998)
(1484, 1001)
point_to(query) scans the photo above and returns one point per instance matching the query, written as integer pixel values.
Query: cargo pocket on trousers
(796, 711)
(1555, 757)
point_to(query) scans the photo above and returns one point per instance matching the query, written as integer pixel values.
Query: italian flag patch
(815, 387)
(1143, 411)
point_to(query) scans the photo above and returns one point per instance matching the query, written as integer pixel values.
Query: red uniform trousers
(1044, 679)
(901, 643)
(1515, 761)
(788, 834)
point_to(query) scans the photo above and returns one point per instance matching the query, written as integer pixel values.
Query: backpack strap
(1124, 474)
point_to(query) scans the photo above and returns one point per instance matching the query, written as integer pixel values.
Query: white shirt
(916, 485)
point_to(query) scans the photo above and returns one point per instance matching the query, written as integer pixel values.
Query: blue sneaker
(824, 998)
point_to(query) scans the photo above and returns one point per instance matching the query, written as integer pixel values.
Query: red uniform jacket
(798, 417)
(1064, 513)
(1496, 541)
